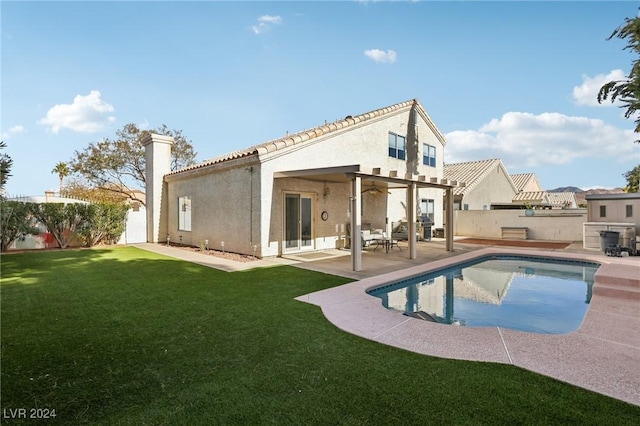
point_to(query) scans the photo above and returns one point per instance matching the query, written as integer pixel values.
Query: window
(397, 146)
(465, 207)
(184, 214)
(428, 155)
(427, 208)
(628, 210)
(603, 211)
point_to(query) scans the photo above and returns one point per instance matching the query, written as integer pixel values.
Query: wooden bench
(514, 233)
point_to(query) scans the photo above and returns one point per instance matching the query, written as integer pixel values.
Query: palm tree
(62, 170)
(627, 91)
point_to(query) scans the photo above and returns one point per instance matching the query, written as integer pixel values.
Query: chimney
(157, 156)
(48, 194)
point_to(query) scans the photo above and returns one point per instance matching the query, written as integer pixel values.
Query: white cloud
(587, 92)
(270, 19)
(381, 56)
(13, 131)
(523, 139)
(265, 22)
(86, 114)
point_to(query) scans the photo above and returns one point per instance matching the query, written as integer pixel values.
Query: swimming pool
(526, 293)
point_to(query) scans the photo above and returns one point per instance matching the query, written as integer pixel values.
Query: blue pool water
(525, 293)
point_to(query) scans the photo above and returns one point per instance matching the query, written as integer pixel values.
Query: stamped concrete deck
(603, 355)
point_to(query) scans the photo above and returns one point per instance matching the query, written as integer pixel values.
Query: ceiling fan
(374, 190)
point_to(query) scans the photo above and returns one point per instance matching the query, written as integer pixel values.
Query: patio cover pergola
(354, 175)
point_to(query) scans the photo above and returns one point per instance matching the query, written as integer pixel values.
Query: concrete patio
(603, 355)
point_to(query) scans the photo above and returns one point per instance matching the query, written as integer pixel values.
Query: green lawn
(124, 336)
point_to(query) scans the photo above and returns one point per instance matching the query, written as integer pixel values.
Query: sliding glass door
(298, 222)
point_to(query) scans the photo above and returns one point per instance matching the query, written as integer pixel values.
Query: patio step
(622, 281)
(623, 275)
(627, 292)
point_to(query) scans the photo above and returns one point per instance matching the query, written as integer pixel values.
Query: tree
(16, 222)
(62, 220)
(627, 91)
(633, 179)
(62, 170)
(105, 223)
(5, 167)
(118, 165)
(75, 188)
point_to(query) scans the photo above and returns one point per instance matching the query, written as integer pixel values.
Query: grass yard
(124, 336)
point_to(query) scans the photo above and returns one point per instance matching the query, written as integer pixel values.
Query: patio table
(387, 243)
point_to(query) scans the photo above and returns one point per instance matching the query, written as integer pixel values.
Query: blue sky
(509, 80)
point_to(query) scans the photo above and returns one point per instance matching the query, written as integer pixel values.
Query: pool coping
(602, 355)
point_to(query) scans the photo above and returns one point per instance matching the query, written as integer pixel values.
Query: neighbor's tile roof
(315, 132)
(471, 173)
(520, 180)
(535, 196)
(562, 198)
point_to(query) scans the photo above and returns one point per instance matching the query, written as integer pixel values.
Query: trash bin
(608, 238)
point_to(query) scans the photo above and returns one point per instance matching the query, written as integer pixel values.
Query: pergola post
(449, 228)
(411, 219)
(356, 223)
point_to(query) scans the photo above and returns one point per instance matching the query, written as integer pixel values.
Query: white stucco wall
(551, 225)
(325, 234)
(224, 206)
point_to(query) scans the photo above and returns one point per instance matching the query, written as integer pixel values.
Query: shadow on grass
(127, 336)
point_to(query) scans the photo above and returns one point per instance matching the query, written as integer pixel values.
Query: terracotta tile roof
(471, 173)
(305, 135)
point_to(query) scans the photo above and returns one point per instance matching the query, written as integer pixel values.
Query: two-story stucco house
(306, 191)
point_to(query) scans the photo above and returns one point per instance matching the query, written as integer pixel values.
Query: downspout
(250, 169)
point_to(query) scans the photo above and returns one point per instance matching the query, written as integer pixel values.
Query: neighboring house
(621, 208)
(614, 213)
(531, 193)
(546, 200)
(563, 200)
(537, 199)
(526, 182)
(487, 184)
(306, 191)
